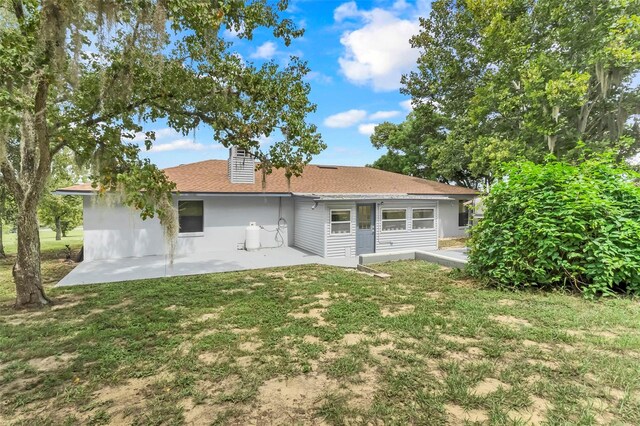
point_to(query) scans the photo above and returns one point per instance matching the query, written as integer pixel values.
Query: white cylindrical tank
(252, 238)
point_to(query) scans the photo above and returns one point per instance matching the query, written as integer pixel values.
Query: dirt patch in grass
(201, 414)
(209, 358)
(435, 295)
(126, 399)
(364, 390)
(583, 333)
(123, 304)
(534, 414)
(552, 365)
(311, 339)
(279, 275)
(489, 385)
(378, 351)
(228, 385)
(510, 321)
(506, 302)
(250, 346)
(323, 296)
(245, 331)
(292, 400)
(544, 347)
(353, 338)
(313, 314)
(51, 363)
(394, 311)
(458, 339)
(461, 415)
(237, 291)
(64, 304)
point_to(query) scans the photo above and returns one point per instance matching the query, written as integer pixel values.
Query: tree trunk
(2, 253)
(58, 229)
(26, 271)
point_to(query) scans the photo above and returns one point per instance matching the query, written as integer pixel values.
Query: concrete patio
(138, 268)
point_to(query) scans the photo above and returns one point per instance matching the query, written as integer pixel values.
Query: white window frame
(196, 233)
(331, 222)
(432, 219)
(383, 220)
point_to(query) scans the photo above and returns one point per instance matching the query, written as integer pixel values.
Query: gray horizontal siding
(340, 245)
(419, 239)
(309, 227)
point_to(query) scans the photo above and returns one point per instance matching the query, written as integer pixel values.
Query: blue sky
(357, 52)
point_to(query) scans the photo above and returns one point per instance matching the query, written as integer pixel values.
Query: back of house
(330, 211)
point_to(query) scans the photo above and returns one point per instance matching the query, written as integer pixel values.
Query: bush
(557, 224)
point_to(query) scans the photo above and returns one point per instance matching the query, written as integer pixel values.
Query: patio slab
(138, 268)
(451, 258)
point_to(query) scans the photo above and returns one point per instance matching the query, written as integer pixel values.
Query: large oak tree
(82, 74)
(519, 79)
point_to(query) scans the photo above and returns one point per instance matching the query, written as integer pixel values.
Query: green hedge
(557, 224)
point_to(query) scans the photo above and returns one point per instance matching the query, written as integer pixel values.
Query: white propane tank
(252, 238)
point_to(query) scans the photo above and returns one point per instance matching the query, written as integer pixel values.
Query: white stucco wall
(448, 221)
(113, 231)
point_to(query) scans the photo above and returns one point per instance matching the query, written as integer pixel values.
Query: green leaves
(522, 78)
(561, 225)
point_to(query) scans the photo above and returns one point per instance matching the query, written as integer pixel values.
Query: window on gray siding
(423, 219)
(191, 216)
(394, 219)
(340, 221)
(463, 213)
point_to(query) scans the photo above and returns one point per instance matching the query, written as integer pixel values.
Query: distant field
(54, 266)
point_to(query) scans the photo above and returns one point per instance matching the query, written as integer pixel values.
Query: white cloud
(367, 129)
(345, 119)
(178, 144)
(400, 5)
(266, 50)
(407, 105)
(379, 52)
(383, 115)
(345, 10)
(318, 77)
(265, 140)
(164, 133)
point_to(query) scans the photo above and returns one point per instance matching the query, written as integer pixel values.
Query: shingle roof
(210, 176)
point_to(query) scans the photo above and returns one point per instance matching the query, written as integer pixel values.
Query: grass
(315, 344)
(54, 266)
(446, 243)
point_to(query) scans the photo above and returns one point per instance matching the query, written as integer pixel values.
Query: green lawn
(54, 266)
(320, 345)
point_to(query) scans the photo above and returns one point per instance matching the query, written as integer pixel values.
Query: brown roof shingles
(210, 176)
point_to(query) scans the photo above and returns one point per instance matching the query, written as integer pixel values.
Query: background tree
(413, 148)
(7, 215)
(83, 74)
(61, 213)
(518, 79)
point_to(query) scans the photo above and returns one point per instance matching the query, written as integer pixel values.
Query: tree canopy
(518, 79)
(82, 75)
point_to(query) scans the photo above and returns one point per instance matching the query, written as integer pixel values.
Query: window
(463, 213)
(423, 219)
(364, 217)
(190, 216)
(340, 221)
(394, 220)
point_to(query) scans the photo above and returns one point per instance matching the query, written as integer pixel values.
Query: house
(330, 211)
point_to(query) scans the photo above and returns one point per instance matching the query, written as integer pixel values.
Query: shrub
(557, 224)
